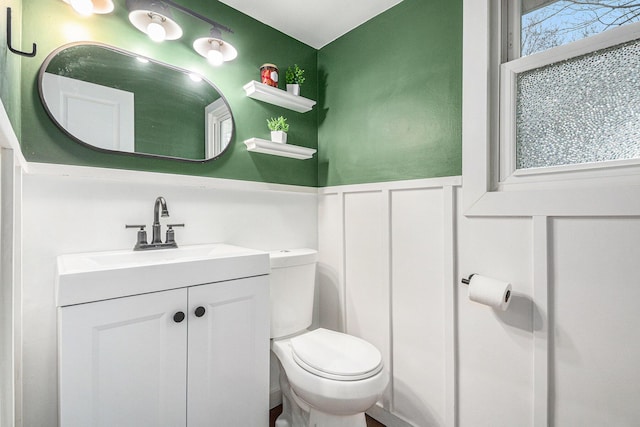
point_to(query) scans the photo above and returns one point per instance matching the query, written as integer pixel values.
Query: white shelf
(258, 145)
(275, 96)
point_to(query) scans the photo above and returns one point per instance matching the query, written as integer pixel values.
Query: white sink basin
(96, 276)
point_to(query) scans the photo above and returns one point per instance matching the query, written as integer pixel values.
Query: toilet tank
(292, 281)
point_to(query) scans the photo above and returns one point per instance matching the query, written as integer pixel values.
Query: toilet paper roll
(491, 292)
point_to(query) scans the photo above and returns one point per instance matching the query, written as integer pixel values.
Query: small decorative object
(269, 75)
(279, 128)
(294, 77)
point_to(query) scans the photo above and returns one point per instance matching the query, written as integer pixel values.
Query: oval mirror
(115, 100)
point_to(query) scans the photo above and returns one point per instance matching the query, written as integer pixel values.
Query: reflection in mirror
(114, 100)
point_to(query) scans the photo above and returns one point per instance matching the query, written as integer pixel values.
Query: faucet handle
(142, 235)
(170, 233)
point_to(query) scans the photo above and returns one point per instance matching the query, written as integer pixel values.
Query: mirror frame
(52, 55)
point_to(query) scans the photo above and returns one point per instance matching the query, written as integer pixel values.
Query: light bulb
(214, 56)
(155, 29)
(83, 7)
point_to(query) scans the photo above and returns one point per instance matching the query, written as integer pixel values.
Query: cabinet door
(229, 354)
(123, 362)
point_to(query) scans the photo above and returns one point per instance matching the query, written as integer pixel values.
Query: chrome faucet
(159, 210)
(160, 203)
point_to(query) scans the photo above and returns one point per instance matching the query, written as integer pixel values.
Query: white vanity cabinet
(123, 362)
(193, 356)
(228, 356)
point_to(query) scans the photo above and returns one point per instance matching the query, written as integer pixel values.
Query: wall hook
(29, 54)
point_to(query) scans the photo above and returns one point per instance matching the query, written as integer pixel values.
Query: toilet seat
(336, 356)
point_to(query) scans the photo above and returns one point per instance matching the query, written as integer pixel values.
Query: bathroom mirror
(115, 100)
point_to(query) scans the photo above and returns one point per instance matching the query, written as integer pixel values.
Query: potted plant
(279, 128)
(294, 76)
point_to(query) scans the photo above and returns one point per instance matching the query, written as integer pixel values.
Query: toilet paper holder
(467, 280)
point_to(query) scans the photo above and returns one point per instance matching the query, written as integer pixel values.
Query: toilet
(327, 378)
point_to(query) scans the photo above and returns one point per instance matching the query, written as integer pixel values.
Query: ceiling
(313, 22)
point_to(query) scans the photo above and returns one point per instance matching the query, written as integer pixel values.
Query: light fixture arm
(198, 16)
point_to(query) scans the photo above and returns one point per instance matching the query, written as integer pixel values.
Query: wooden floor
(273, 414)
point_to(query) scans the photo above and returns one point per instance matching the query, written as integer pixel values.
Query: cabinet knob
(200, 311)
(178, 317)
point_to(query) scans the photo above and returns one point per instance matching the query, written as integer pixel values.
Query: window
(570, 90)
(545, 24)
(606, 188)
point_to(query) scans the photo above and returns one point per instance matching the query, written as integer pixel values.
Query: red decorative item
(269, 75)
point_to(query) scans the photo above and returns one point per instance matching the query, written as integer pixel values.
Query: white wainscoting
(595, 291)
(387, 274)
(495, 353)
(565, 352)
(391, 259)
(68, 209)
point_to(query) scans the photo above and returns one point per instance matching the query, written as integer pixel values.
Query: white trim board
(175, 180)
(453, 181)
(9, 270)
(542, 322)
(8, 138)
(128, 176)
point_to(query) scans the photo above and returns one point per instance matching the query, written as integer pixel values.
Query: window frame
(611, 189)
(508, 90)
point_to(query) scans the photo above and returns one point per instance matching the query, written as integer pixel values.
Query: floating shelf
(275, 96)
(258, 145)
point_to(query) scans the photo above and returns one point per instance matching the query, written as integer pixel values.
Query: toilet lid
(336, 356)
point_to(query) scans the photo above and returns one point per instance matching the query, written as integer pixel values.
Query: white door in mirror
(98, 115)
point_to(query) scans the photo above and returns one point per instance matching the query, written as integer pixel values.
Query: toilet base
(298, 413)
(295, 416)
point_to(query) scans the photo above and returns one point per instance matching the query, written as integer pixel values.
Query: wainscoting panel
(596, 338)
(330, 291)
(418, 305)
(367, 269)
(495, 351)
(384, 247)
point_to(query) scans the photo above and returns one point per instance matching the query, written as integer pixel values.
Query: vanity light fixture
(89, 7)
(153, 18)
(216, 50)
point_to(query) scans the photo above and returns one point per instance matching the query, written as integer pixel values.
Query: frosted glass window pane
(582, 110)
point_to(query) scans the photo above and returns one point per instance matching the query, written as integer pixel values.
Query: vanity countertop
(96, 276)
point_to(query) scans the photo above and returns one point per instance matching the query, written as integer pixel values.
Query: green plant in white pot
(294, 76)
(279, 128)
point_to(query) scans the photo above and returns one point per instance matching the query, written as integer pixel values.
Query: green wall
(391, 97)
(53, 23)
(10, 63)
(388, 92)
